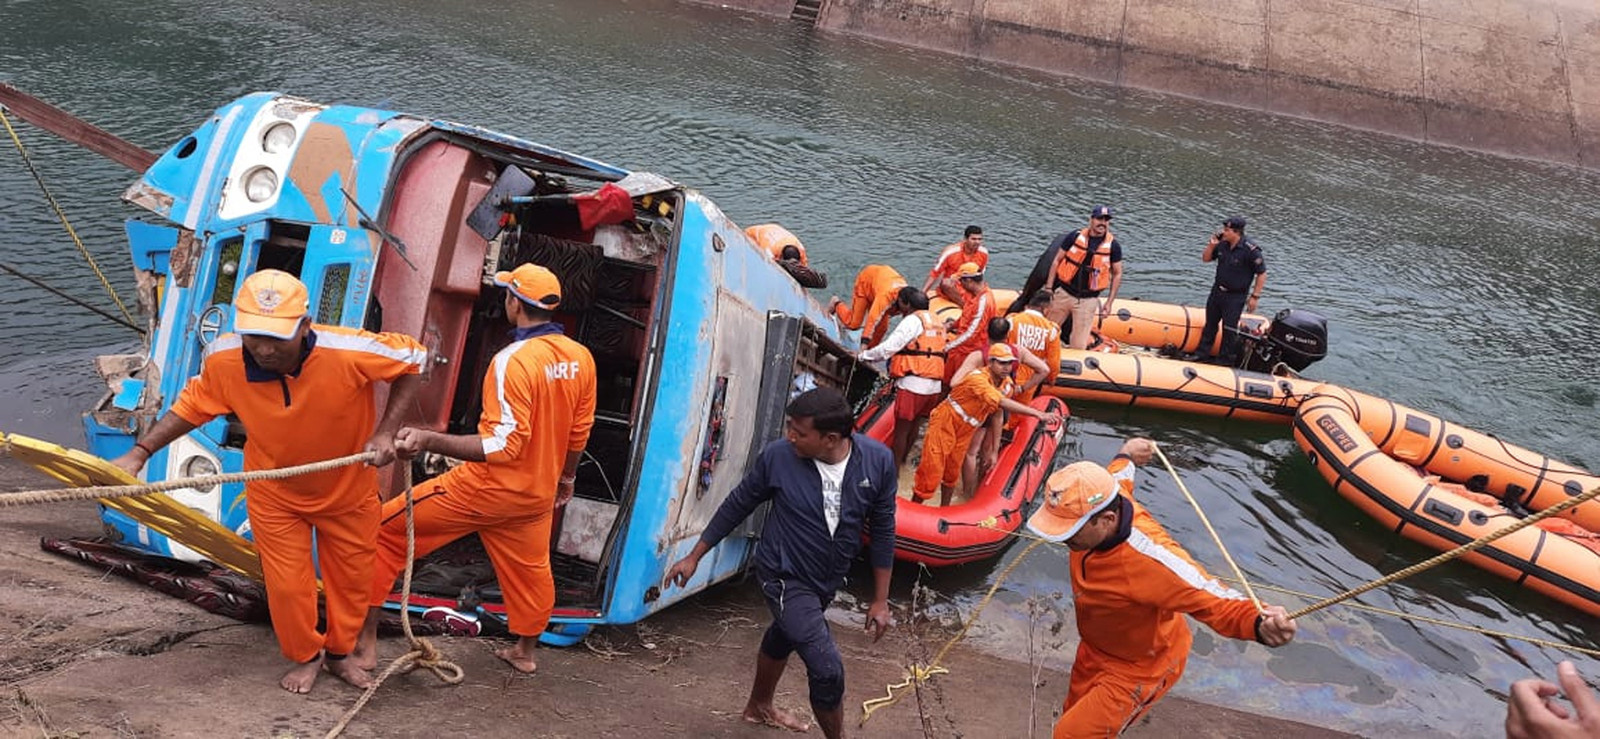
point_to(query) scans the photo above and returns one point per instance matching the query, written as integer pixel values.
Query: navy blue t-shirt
(1237, 266)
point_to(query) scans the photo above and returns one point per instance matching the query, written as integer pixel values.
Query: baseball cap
(1235, 222)
(969, 269)
(533, 285)
(270, 303)
(1101, 211)
(1001, 352)
(1073, 494)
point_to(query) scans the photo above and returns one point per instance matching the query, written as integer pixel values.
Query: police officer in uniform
(1241, 273)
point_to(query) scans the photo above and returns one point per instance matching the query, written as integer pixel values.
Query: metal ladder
(806, 11)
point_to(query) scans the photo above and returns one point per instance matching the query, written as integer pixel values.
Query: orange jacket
(538, 405)
(970, 331)
(323, 411)
(924, 356)
(772, 238)
(1131, 596)
(953, 257)
(1042, 336)
(877, 287)
(1077, 255)
(974, 398)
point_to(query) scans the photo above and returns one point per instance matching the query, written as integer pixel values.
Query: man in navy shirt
(825, 484)
(1239, 264)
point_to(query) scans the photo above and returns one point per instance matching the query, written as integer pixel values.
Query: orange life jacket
(1099, 261)
(924, 356)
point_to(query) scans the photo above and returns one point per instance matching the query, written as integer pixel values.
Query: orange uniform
(538, 405)
(953, 257)
(773, 238)
(950, 429)
(970, 332)
(1031, 330)
(1130, 595)
(877, 287)
(324, 410)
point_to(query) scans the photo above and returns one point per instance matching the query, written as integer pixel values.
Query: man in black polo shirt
(1085, 263)
(1239, 264)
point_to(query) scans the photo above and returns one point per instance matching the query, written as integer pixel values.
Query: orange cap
(270, 303)
(1001, 351)
(533, 285)
(1074, 493)
(969, 269)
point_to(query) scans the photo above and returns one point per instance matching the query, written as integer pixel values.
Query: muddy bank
(83, 653)
(1518, 77)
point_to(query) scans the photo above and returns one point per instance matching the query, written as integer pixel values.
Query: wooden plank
(74, 129)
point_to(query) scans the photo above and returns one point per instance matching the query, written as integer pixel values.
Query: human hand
(987, 460)
(131, 462)
(1139, 449)
(682, 570)
(1533, 713)
(381, 442)
(878, 619)
(1050, 419)
(1277, 629)
(1250, 304)
(564, 488)
(1105, 309)
(411, 441)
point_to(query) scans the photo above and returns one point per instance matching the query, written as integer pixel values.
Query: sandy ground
(85, 654)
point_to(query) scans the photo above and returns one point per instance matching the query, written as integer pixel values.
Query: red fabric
(611, 204)
(909, 406)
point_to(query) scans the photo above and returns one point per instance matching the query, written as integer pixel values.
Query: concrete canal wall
(1519, 77)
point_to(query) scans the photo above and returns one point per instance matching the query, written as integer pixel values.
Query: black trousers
(799, 626)
(1223, 309)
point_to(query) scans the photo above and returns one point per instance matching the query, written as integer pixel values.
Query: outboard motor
(1295, 338)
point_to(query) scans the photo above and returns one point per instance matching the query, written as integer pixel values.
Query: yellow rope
(61, 495)
(916, 674)
(422, 653)
(1471, 546)
(61, 214)
(1214, 537)
(1435, 621)
(990, 523)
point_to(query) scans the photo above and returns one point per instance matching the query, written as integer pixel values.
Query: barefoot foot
(518, 657)
(301, 677)
(346, 670)
(365, 655)
(775, 717)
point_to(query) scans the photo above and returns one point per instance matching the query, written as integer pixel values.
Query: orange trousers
(1102, 701)
(346, 526)
(876, 289)
(943, 449)
(518, 543)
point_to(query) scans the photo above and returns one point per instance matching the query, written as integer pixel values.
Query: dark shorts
(799, 626)
(909, 406)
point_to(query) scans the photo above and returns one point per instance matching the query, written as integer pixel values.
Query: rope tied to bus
(422, 653)
(27, 162)
(102, 492)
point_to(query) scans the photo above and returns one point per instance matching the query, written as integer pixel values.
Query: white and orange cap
(533, 285)
(270, 303)
(1073, 495)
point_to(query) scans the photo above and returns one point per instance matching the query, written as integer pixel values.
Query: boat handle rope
(422, 653)
(27, 162)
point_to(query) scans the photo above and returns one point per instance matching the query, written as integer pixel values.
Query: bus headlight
(278, 138)
(199, 466)
(260, 184)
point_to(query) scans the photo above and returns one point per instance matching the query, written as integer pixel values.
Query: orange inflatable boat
(1335, 428)
(1136, 364)
(940, 536)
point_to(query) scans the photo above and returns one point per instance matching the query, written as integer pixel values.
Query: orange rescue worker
(1033, 331)
(779, 242)
(915, 350)
(943, 276)
(978, 394)
(538, 408)
(304, 393)
(1131, 586)
(1087, 262)
(967, 331)
(984, 449)
(876, 290)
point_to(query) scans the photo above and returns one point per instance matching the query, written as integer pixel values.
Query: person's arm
(1055, 264)
(972, 361)
(1041, 370)
(1116, 284)
(1210, 252)
(402, 393)
(751, 491)
(1015, 407)
(970, 325)
(169, 428)
(882, 548)
(1255, 291)
(1173, 583)
(904, 333)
